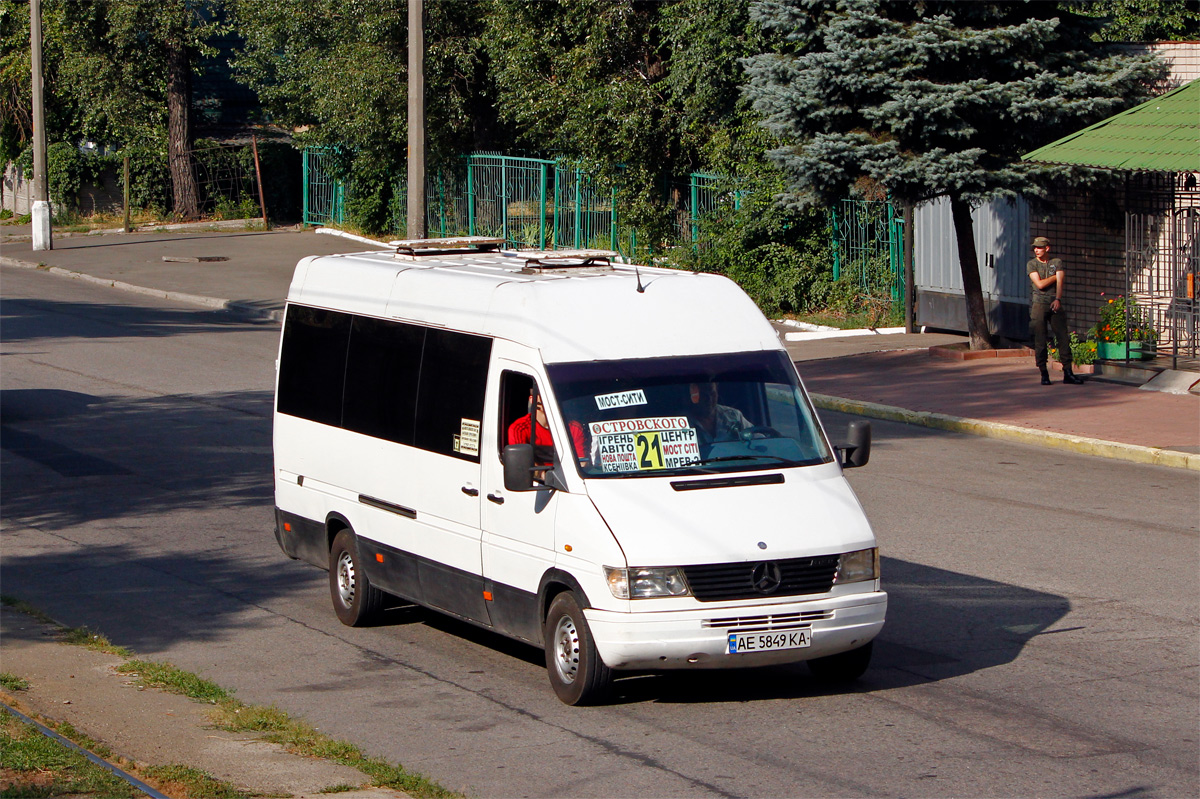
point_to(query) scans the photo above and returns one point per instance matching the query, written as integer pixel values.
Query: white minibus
(617, 464)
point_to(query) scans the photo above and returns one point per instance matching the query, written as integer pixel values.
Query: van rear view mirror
(518, 467)
(857, 451)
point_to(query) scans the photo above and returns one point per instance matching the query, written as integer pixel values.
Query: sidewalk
(79, 686)
(883, 376)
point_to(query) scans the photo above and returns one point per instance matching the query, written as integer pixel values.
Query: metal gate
(1161, 262)
(324, 195)
(868, 249)
(585, 214)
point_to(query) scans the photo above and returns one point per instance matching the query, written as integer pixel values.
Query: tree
(16, 96)
(641, 92)
(1145, 20)
(339, 74)
(915, 100)
(129, 71)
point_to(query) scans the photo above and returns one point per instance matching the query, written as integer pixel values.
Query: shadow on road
(28, 320)
(81, 458)
(941, 624)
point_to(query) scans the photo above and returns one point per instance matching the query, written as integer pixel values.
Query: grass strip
(11, 682)
(174, 680)
(37, 766)
(76, 636)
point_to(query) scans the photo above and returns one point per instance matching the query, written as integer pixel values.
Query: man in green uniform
(1049, 279)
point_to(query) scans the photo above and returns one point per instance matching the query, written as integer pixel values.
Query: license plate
(740, 643)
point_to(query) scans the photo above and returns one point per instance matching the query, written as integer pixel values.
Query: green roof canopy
(1161, 135)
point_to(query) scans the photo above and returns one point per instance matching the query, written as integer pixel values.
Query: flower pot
(1120, 350)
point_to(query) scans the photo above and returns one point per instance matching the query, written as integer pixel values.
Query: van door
(445, 476)
(518, 526)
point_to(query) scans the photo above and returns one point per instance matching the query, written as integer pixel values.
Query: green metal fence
(324, 195)
(545, 204)
(529, 202)
(868, 249)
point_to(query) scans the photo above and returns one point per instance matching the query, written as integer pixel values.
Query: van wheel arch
(555, 582)
(334, 524)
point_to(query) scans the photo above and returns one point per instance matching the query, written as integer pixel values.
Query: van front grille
(768, 623)
(714, 582)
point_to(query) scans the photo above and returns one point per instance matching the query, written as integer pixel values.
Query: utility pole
(416, 119)
(41, 202)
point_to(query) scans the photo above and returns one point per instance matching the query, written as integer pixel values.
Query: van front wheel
(355, 600)
(577, 674)
(844, 667)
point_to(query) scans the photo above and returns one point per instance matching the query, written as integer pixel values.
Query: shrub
(778, 256)
(64, 174)
(1115, 314)
(1082, 352)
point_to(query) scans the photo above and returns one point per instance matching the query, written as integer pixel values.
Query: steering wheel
(761, 431)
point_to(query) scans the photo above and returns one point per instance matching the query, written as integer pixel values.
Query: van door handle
(470, 492)
(497, 498)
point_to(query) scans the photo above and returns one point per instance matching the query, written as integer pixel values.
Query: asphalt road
(1042, 633)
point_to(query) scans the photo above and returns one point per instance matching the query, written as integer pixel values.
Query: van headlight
(857, 566)
(646, 583)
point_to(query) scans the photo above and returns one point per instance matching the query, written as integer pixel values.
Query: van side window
(514, 403)
(382, 370)
(450, 400)
(395, 381)
(312, 364)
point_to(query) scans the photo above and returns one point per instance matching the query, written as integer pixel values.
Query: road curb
(242, 309)
(1007, 432)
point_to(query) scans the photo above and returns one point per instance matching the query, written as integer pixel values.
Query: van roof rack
(565, 260)
(453, 244)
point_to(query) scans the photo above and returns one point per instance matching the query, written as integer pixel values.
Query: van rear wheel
(355, 601)
(577, 674)
(844, 667)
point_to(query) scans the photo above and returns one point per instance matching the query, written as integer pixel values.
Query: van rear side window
(453, 381)
(312, 365)
(382, 371)
(392, 380)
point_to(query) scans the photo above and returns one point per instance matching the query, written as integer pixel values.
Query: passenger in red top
(518, 432)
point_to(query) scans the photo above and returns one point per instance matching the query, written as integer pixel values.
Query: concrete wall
(17, 192)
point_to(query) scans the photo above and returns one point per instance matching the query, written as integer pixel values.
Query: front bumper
(698, 639)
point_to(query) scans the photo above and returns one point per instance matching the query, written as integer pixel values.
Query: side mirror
(857, 451)
(518, 467)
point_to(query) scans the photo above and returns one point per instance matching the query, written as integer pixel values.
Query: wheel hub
(345, 578)
(566, 650)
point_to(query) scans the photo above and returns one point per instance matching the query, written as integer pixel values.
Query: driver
(713, 421)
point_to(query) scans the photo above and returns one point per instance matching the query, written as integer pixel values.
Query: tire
(844, 667)
(577, 674)
(355, 601)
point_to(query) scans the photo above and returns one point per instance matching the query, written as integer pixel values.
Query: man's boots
(1069, 376)
(1045, 376)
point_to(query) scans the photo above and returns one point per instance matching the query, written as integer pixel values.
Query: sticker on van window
(634, 445)
(467, 440)
(622, 399)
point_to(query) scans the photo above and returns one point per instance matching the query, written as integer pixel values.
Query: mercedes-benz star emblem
(766, 578)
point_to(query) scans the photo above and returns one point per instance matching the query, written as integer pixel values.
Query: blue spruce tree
(917, 100)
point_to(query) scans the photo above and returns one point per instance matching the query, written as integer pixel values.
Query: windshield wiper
(747, 457)
(699, 466)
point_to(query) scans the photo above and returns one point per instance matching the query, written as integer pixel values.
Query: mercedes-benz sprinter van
(615, 463)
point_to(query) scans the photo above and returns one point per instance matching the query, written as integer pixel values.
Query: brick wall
(1086, 229)
(1182, 58)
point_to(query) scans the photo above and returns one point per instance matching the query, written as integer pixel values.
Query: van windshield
(688, 415)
